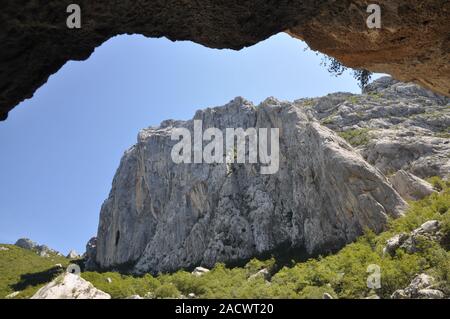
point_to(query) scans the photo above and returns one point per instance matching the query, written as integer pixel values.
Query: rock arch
(412, 45)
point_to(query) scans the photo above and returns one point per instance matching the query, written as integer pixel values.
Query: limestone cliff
(162, 216)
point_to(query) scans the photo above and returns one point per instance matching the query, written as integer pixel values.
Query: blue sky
(60, 149)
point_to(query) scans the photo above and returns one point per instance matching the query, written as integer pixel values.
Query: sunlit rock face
(412, 45)
(401, 125)
(161, 216)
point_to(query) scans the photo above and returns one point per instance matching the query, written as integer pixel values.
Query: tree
(337, 68)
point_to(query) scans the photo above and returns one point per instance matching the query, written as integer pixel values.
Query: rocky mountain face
(41, 250)
(161, 216)
(412, 43)
(393, 125)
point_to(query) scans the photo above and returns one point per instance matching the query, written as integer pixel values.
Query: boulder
(263, 273)
(41, 250)
(394, 243)
(43, 253)
(419, 288)
(70, 286)
(200, 271)
(430, 294)
(26, 243)
(326, 295)
(410, 187)
(73, 255)
(428, 230)
(430, 227)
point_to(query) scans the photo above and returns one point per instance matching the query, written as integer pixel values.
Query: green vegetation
(122, 286)
(337, 68)
(328, 120)
(354, 99)
(443, 134)
(356, 137)
(25, 271)
(343, 275)
(376, 95)
(308, 103)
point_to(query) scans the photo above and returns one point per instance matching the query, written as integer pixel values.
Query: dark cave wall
(413, 44)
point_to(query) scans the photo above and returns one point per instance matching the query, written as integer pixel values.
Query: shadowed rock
(412, 45)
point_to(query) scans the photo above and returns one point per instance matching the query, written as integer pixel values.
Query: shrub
(25, 271)
(343, 275)
(356, 137)
(167, 291)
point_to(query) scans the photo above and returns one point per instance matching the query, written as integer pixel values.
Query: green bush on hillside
(343, 275)
(356, 137)
(25, 271)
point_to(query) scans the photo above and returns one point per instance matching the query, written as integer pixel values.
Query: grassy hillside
(343, 274)
(25, 271)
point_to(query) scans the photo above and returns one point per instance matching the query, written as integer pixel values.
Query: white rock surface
(326, 295)
(394, 243)
(70, 286)
(263, 273)
(408, 242)
(73, 255)
(430, 294)
(419, 288)
(26, 243)
(410, 187)
(163, 216)
(12, 295)
(200, 271)
(409, 127)
(41, 250)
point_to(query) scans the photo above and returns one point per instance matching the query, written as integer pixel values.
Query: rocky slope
(412, 45)
(41, 250)
(393, 125)
(162, 216)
